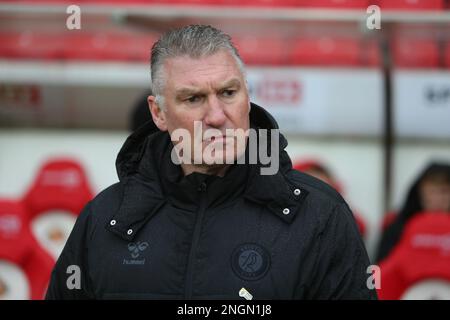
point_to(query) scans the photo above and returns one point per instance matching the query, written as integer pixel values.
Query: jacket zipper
(194, 244)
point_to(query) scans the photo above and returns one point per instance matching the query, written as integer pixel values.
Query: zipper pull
(243, 293)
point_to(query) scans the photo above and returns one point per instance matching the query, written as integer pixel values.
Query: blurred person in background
(216, 230)
(429, 193)
(318, 170)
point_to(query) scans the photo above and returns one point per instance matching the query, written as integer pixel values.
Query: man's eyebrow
(231, 83)
(187, 91)
(193, 91)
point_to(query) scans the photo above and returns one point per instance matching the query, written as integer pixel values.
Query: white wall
(23, 151)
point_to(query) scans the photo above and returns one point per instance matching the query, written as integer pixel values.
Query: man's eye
(193, 99)
(228, 93)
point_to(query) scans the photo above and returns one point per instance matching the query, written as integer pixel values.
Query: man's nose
(215, 114)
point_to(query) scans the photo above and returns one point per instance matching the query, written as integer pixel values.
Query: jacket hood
(131, 152)
(412, 204)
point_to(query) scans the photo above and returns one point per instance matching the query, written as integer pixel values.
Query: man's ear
(158, 115)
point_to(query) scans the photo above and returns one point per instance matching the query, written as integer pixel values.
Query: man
(194, 226)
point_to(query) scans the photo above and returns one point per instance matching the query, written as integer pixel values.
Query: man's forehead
(220, 67)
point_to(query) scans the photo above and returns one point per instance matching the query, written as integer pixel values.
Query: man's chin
(218, 160)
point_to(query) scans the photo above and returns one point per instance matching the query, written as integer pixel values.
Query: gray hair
(195, 41)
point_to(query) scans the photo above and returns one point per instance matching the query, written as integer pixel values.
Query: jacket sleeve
(69, 278)
(341, 265)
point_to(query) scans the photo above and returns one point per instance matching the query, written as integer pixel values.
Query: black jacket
(159, 235)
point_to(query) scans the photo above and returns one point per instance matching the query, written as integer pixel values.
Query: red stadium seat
(334, 4)
(76, 45)
(331, 4)
(253, 3)
(266, 50)
(61, 183)
(31, 45)
(8, 45)
(372, 56)
(420, 260)
(163, 2)
(447, 55)
(24, 267)
(411, 4)
(326, 51)
(262, 3)
(55, 198)
(409, 52)
(106, 46)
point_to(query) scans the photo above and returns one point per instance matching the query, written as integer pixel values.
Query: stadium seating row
(35, 228)
(331, 4)
(407, 52)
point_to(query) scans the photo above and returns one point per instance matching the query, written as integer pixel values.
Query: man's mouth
(216, 139)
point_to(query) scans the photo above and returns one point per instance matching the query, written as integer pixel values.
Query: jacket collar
(142, 161)
(282, 196)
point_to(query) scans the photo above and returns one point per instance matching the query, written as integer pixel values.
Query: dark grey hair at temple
(195, 41)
